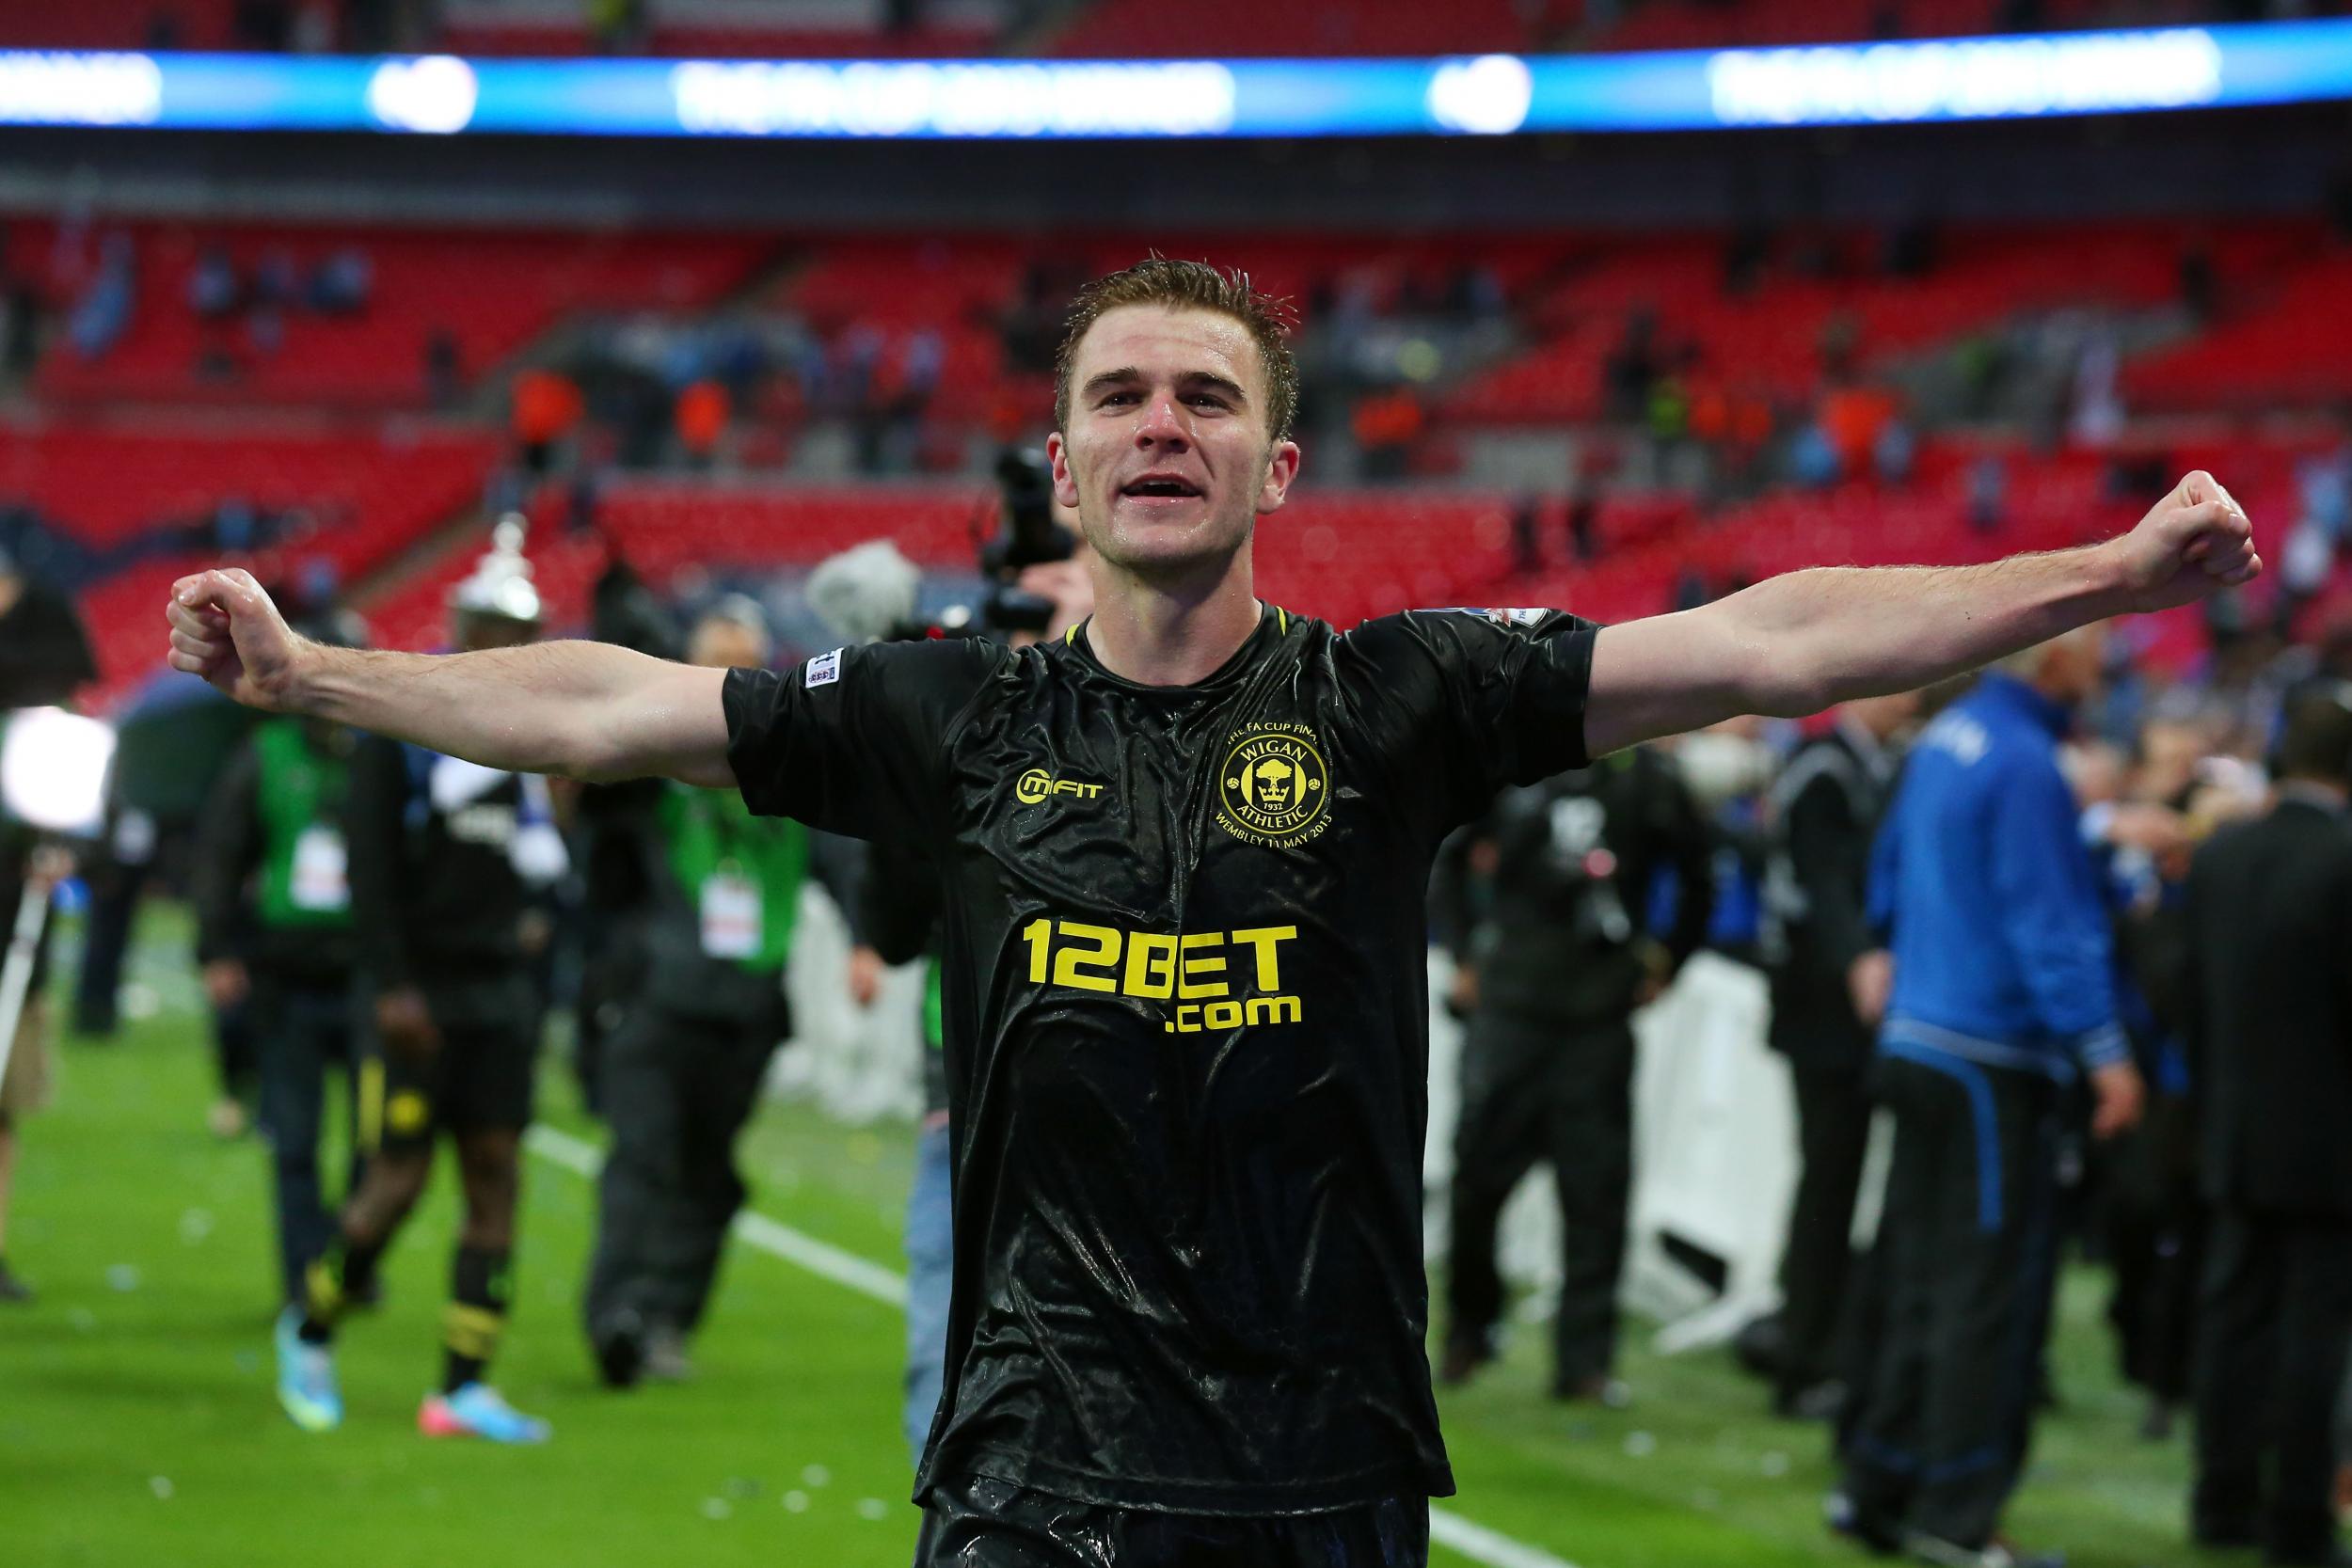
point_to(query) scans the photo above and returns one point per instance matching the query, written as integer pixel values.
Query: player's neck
(1163, 632)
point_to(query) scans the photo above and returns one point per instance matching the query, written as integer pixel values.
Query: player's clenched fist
(2191, 543)
(225, 629)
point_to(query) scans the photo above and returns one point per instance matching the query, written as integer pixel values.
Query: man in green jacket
(273, 898)
(715, 896)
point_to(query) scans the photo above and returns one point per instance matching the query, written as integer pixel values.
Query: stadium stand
(148, 500)
(489, 292)
(122, 24)
(1143, 29)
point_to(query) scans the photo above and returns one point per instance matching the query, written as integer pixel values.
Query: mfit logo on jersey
(823, 669)
(1037, 783)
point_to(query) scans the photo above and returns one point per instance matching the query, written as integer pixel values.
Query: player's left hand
(2117, 1098)
(2194, 542)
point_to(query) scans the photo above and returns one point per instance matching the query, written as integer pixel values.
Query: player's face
(1167, 457)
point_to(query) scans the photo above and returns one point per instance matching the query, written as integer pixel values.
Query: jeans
(931, 1253)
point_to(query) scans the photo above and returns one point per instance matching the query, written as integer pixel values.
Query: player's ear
(1281, 467)
(1065, 482)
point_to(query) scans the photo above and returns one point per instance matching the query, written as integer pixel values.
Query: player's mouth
(1160, 491)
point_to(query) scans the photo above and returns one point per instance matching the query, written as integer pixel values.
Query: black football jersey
(1185, 1021)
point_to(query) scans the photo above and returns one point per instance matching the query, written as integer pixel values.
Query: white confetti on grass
(796, 1501)
(1640, 1445)
(816, 1476)
(873, 1509)
(161, 1486)
(1775, 1464)
(715, 1509)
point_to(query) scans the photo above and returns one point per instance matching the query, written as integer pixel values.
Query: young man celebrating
(1183, 852)
(445, 859)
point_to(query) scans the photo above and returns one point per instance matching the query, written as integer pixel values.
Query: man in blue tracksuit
(2003, 994)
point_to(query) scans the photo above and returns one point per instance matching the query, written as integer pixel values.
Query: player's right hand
(1870, 985)
(225, 983)
(405, 1023)
(225, 629)
(865, 974)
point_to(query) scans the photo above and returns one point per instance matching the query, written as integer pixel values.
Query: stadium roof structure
(2013, 77)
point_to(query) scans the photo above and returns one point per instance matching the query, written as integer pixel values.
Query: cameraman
(1556, 971)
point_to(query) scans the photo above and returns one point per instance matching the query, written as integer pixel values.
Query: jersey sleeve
(852, 741)
(1505, 691)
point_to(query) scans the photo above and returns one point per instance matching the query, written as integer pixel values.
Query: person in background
(44, 654)
(273, 900)
(2269, 1011)
(1551, 979)
(26, 864)
(2002, 993)
(715, 899)
(1825, 810)
(445, 856)
(900, 920)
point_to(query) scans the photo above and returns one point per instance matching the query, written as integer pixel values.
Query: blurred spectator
(1527, 543)
(1988, 493)
(1632, 366)
(1822, 813)
(2195, 278)
(1813, 459)
(1895, 451)
(1385, 426)
(20, 326)
(343, 283)
(2269, 1011)
(443, 373)
(547, 406)
(1853, 418)
(2002, 990)
(1549, 981)
(1585, 518)
(104, 312)
(2096, 409)
(701, 422)
(213, 290)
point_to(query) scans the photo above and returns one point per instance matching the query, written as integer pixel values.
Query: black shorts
(980, 1523)
(482, 1076)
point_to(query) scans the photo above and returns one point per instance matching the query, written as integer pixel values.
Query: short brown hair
(1188, 286)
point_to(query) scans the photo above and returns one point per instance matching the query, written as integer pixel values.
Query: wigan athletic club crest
(1273, 788)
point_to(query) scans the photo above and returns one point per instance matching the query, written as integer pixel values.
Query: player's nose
(1163, 423)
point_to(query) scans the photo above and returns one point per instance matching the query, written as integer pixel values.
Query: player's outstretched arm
(1801, 643)
(587, 710)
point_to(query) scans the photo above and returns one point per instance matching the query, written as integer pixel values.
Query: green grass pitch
(137, 1425)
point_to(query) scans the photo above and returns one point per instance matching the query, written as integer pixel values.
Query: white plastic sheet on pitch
(1714, 1156)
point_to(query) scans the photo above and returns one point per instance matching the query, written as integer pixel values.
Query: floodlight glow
(56, 87)
(53, 770)
(1485, 97)
(435, 96)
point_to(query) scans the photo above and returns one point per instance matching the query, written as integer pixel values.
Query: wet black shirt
(1185, 1024)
